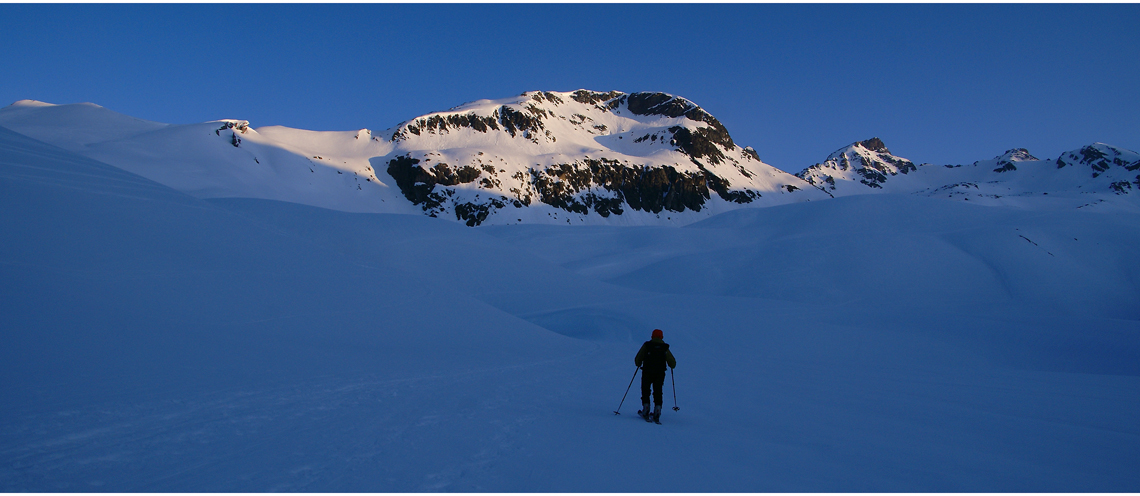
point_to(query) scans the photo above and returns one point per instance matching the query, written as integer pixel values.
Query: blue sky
(938, 83)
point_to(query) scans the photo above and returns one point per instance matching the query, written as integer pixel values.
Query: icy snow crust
(158, 342)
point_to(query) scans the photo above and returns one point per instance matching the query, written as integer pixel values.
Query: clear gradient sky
(943, 84)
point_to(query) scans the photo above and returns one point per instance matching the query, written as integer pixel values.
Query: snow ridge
(1095, 176)
(581, 158)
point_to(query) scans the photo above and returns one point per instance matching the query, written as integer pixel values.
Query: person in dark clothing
(652, 358)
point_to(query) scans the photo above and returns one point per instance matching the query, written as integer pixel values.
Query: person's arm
(640, 358)
(669, 358)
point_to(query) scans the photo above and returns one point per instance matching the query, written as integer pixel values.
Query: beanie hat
(657, 334)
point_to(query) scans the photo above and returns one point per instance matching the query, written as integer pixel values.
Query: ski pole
(675, 407)
(618, 411)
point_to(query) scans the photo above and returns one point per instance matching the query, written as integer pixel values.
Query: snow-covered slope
(542, 157)
(72, 127)
(1097, 176)
(116, 277)
(855, 167)
(582, 157)
(219, 159)
(228, 158)
(1117, 167)
(157, 342)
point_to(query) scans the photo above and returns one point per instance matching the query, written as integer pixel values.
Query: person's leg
(658, 384)
(658, 394)
(646, 383)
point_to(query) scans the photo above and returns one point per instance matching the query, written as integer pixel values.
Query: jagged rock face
(1100, 157)
(582, 152)
(867, 162)
(875, 145)
(699, 143)
(1107, 162)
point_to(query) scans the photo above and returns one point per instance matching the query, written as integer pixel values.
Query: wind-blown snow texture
(162, 341)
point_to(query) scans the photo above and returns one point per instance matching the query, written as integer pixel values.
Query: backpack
(655, 356)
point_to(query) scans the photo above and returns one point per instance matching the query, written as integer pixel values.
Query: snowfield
(182, 340)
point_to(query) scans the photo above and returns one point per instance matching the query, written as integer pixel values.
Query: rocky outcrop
(1099, 158)
(867, 162)
(640, 188)
(1006, 161)
(527, 152)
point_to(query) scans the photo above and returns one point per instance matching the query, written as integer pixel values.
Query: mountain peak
(875, 145)
(1101, 157)
(646, 103)
(576, 154)
(31, 103)
(71, 126)
(867, 162)
(37, 103)
(1016, 155)
(1006, 161)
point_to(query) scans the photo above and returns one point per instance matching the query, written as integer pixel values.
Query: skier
(652, 358)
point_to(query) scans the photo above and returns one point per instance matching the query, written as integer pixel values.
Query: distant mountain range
(581, 157)
(1090, 175)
